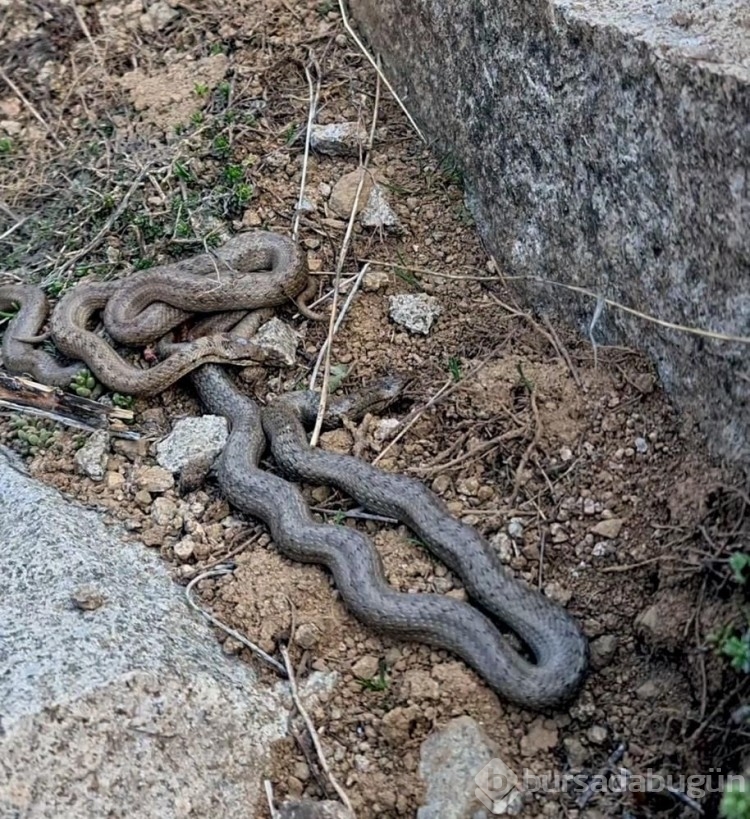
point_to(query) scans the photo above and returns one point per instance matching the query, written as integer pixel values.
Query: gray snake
(559, 648)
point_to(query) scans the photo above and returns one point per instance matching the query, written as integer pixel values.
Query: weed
(29, 436)
(234, 174)
(325, 7)
(221, 147)
(735, 803)
(739, 563)
(289, 134)
(197, 118)
(454, 367)
(122, 401)
(408, 277)
(379, 683)
(6, 145)
(182, 172)
(200, 89)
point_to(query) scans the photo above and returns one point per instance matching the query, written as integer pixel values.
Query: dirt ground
(131, 134)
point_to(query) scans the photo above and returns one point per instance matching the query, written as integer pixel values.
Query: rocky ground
(134, 134)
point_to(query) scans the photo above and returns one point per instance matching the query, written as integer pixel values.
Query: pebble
(114, 480)
(515, 528)
(576, 752)
(184, 548)
(158, 16)
(559, 535)
(647, 690)
(143, 498)
(609, 529)
(415, 311)
(198, 437)
(468, 486)
(366, 668)
(378, 213)
(87, 598)
(280, 340)
(338, 138)
(164, 513)
(603, 649)
(92, 458)
(641, 446)
(558, 594)
(597, 734)
(154, 479)
(344, 192)
(307, 635)
(375, 279)
(542, 736)
(503, 545)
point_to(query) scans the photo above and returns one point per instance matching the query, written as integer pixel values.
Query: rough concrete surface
(604, 145)
(115, 699)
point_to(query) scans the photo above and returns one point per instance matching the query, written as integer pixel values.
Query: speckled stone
(603, 144)
(105, 669)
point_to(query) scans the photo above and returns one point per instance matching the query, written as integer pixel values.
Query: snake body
(258, 269)
(555, 640)
(22, 356)
(68, 327)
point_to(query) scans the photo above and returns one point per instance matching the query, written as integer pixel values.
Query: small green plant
(243, 193)
(200, 89)
(84, 384)
(289, 134)
(197, 118)
(225, 89)
(325, 7)
(182, 172)
(122, 401)
(735, 803)
(6, 145)
(221, 147)
(454, 367)
(339, 518)
(739, 564)
(737, 648)
(30, 436)
(379, 683)
(234, 174)
(408, 277)
(217, 48)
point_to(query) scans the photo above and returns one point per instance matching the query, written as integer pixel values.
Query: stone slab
(604, 145)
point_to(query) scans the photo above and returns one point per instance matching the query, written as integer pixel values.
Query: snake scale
(259, 270)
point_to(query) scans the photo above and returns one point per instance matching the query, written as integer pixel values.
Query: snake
(257, 269)
(19, 354)
(553, 638)
(251, 270)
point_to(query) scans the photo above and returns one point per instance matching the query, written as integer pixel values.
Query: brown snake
(250, 270)
(559, 648)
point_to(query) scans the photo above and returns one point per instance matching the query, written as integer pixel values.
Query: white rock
(338, 138)
(415, 311)
(378, 213)
(92, 458)
(192, 438)
(279, 339)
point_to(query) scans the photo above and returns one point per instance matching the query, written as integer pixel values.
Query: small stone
(301, 771)
(87, 598)
(154, 479)
(114, 480)
(203, 437)
(132, 450)
(609, 529)
(415, 311)
(344, 192)
(307, 635)
(558, 594)
(515, 528)
(468, 486)
(154, 536)
(92, 458)
(164, 512)
(542, 736)
(375, 279)
(193, 474)
(366, 668)
(159, 16)
(641, 446)
(589, 506)
(279, 340)
(184, 548)
(338, 138)
(576, 752)
(143, 498)
(378, 213)
(603, 649)
(647, 691)
(597, 734)
(566, 454)
(559, 535)
(503, 545)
